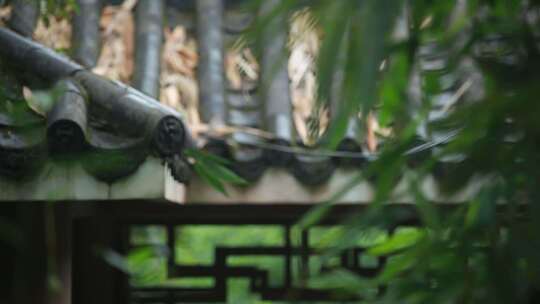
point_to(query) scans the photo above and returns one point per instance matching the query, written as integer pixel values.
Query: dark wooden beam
(94, 280)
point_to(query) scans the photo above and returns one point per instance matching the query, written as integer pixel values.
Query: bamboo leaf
(395, 266)
(209, 178)
(369, 30)
(344, 283)
(399, 241)
(213, 169)
(222, 173)
(335, 31)
(208, 157)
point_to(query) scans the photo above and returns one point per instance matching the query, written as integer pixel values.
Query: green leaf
(202, 155)
(344, 283)
(393, 89)
(395, 266)
(481, 210)
(334, 42)
(209, 178)
(212, 169)
(369, 29)
(222, 173)
(400, 240)
(229, 176)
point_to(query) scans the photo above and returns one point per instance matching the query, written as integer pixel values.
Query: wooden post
(62, 250)
(30, 272)
(96, 281)
(42, 268)
(9, 243)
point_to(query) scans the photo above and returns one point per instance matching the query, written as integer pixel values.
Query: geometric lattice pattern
(297, 264)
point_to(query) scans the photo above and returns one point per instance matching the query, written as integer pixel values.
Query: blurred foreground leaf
(213, 170)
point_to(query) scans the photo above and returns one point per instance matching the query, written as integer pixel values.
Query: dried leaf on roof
(5, 13)
(117, 30)
(241, 66)
(304, 44)
(371, 138)
(55, 33)
(178, 82)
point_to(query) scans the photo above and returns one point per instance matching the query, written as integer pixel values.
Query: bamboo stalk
(149, 40)
(86, 35)
(24, 16)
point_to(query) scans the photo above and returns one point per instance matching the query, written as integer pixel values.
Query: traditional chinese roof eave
(147, 126)
(95, 119)
(60, 182)
(278, 187)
